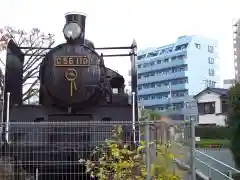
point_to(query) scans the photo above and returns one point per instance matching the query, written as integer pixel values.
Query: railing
(199, 172)
(215, 169)
(211, 168)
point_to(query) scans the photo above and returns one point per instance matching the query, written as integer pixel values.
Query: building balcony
(183, 111)
(167, 112)
(158, 78)
(161, 89)
(152, 102)
(155, 67)
(163, 56)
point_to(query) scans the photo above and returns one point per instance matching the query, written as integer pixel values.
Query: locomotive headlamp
(72, 30)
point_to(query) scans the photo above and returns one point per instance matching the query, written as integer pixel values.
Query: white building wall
(228, 83)
(199, 66)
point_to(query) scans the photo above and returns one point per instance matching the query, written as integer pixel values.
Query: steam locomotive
(76, 100)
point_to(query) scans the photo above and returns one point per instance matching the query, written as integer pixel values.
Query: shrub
(213, 132)
(213, 143)
(120, 161)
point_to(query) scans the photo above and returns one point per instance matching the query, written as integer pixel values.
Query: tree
(234, 120)
(33, 38)
(151, 115)
(234, 105)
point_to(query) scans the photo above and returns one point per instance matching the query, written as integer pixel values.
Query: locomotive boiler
(73, 76)
(77, 104)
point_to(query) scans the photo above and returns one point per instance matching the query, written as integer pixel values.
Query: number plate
(71, 61)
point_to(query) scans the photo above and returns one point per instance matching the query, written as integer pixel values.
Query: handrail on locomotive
(132, 54)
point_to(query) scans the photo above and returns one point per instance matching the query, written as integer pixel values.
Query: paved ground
(223, 155)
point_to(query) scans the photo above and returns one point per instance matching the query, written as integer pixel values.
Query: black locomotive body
(76, 112)
(69, 118)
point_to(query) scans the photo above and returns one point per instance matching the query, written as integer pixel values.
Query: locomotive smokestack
(80, 20)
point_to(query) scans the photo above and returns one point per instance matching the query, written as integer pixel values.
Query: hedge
(213, 143)
(213, 132)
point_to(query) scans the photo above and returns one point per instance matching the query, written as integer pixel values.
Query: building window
(211, 72)
(198, 46)
(206, 108)
(211, 60)
(224, 106)
(210, 49)
(141, 57)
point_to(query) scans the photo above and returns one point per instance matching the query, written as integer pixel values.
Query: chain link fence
(60, 150)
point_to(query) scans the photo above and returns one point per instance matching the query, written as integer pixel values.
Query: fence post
(133, 116)
(192, 144)
(209, 172)
(36, 175)
(230, 173)
(7, 117)
(147, 140)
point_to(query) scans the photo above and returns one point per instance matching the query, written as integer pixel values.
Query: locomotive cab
(118, 87)
(116, 80)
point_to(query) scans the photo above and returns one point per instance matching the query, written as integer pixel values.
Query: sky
(151, 23)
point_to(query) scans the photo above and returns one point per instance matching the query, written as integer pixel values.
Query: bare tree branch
(30, 88)
(33, 38)
(33, 59)
(1, 61)
(28, 84)
(1, 81)
(31, 73)
(31, 91)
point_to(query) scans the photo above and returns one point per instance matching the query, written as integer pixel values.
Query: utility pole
(190, 110)
(141, 117)
(193, 150)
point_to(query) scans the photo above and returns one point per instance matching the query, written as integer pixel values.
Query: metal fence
(202, 162)
(59, 150)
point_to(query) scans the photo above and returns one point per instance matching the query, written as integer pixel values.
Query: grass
(213, 143)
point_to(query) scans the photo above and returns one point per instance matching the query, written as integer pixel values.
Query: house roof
(220, 91)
